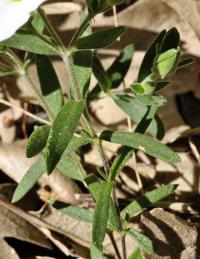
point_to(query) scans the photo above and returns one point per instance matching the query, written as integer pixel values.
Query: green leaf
(69, 167)
(119, 162)
(75, 143)
(143, 241)
(88, 30)
(82, 69)
(101, 75)
(136, 254)
(147, 200)
(37, 22)
(29, 179)
(136, 111)
(139, 141)
(62, 131)
(148, 88)
(26, 39)
(75, 212)
(118, 70)
(96, 253)
(37, 141)
(50, 84)
(171, 40)
(101, 215)
(98, 6)
(155, 100)
(94, 186)
(166, 63)
(147, 63)
(165, 41)
(114, 76)
(99, 39)
(143, 125)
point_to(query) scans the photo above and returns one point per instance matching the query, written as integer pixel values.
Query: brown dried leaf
(172, 236)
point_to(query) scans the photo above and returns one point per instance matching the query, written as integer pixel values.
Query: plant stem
(68, 61)
(120, 223)
(39, 95)
(50, 28)
(110, 234)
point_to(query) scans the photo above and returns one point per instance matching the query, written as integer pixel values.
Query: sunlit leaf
(62, 131)
(147, 200)
(29, 179)
(101, 215)
(139, 141)
(99, 39)
(142, 240)
(37, 141)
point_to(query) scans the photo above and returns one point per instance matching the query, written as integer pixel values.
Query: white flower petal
(31, 6)
(15, 14)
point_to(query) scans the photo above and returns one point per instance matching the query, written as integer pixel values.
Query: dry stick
(31, 115)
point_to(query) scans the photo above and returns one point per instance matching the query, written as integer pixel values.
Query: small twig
(120, 223)
(24, 111)
(110, 234)
(115, 18)
(134, 162)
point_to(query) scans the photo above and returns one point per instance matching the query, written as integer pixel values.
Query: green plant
(68, 126)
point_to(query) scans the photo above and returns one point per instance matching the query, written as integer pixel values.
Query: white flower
(14, 14)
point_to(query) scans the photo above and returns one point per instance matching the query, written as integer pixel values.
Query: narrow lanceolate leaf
(101, 215)
(37, 141)
(115, 74)
(29, 179)
(37, 22)
(76, 143)
(101, 75)
(82, 68)
(94, 186)
(75, 212)
(96, 253)
(27, 40)
(99, 39)
(136, 110)
(171, 40)
(119, 162)
(118, 70)
(68, 167)
(147, 63)
(143, 241)
(139, 141)
(147, 200)
(62, 131)
(98, 6)
(50, 84)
